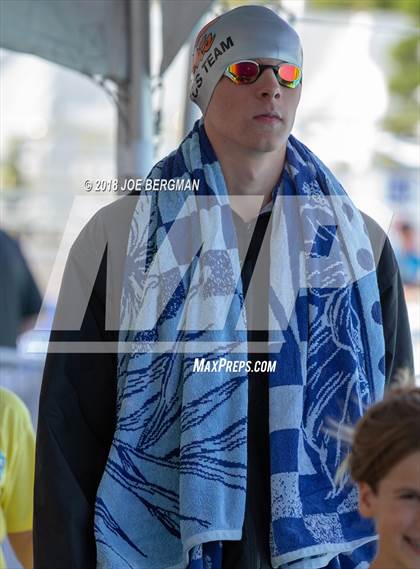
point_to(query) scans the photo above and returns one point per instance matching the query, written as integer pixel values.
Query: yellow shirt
(17, 464)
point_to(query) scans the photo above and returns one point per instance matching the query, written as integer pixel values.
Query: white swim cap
(247, 32)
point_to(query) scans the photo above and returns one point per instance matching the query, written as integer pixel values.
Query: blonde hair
(387, 433)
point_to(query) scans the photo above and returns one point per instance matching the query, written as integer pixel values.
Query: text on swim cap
(210, 60)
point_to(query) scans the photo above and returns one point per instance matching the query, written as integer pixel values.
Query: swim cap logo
(204, 44)
(208, 62)
(205, 55)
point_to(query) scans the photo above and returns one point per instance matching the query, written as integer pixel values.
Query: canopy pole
(135, 152)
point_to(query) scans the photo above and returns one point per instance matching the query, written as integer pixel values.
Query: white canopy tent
(109, 39)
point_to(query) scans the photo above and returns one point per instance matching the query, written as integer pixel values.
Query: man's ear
(367, 500)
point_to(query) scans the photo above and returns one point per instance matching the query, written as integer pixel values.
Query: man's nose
(268, 86)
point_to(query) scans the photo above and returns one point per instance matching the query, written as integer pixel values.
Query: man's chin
(270, 144)
(271, 139)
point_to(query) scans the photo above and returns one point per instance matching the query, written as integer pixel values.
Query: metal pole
(135, 115)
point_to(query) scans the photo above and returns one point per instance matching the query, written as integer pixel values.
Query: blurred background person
(17, 456)
(20, 299)
(408, 253)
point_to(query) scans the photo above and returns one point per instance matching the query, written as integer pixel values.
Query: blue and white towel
(174, 486)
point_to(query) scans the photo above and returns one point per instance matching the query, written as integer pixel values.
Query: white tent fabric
(178, 20)
(91, 36)
(86, 36)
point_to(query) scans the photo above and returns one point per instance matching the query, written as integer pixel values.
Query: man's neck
(250, 175)
(382, 562)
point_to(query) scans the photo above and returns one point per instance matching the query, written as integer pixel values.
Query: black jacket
(78, 399)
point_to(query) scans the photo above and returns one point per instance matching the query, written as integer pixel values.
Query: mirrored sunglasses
(248, 71)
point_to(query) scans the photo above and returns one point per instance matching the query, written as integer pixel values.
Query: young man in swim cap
(230, 470)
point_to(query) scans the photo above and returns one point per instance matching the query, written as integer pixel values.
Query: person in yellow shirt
(17, 457)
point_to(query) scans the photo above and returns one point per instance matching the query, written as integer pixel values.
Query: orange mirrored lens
(289, 73)
(244, 71)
